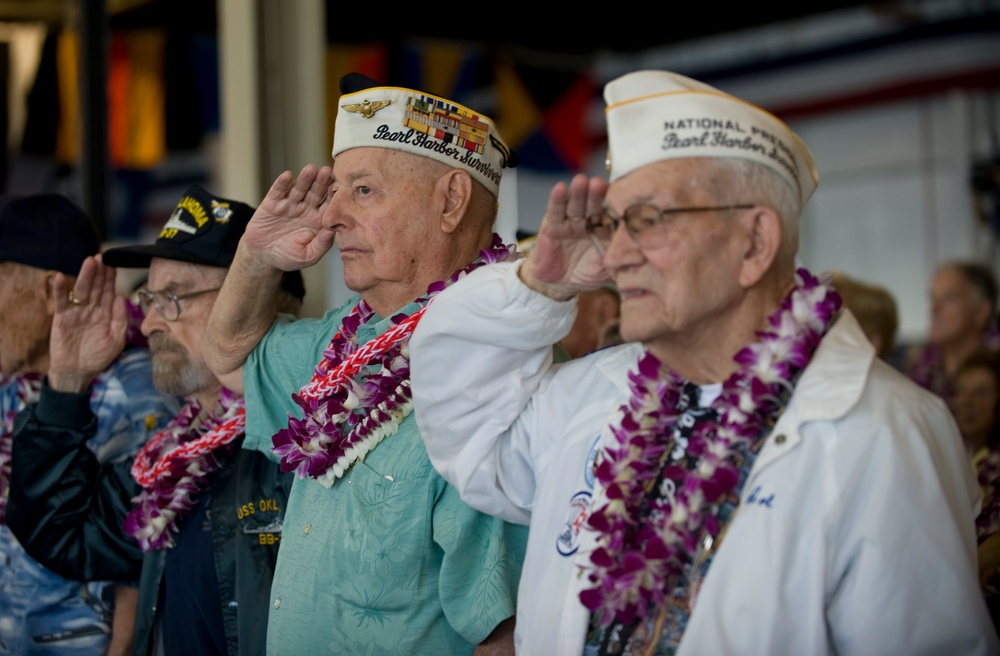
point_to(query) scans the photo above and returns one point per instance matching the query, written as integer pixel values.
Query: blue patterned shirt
(42, 614)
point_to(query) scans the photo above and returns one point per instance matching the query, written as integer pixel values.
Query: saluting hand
(564, 260)
(88, 328)
(287, 231)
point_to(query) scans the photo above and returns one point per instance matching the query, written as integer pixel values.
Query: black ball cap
(47, 231)
(203, 229)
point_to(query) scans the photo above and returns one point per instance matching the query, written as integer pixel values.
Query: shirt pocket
(387, 535)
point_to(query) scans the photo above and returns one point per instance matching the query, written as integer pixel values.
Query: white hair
(746, 181)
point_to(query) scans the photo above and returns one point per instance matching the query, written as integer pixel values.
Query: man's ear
(983, 314)
(455, 188)
(44, 281)
(763, 229)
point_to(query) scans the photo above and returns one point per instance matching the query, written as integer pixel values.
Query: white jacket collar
(833, 381)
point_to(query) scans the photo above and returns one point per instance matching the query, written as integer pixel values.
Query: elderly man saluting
(195, 518)
(379, 555)
(45, 610)
(746, 478)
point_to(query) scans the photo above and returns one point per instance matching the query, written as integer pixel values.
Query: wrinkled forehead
(380, 162)
(673, 181)
(11, 270)
(356, 159)
(951, 280)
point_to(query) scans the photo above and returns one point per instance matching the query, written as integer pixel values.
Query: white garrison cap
(657, 115)
(423, 124)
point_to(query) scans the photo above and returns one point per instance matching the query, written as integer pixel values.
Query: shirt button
(307, 529)
(780, 439)
(277, 602)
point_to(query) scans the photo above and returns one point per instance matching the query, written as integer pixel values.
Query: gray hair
(746, 181)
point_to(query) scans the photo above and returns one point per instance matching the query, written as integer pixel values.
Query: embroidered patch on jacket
(758, 497)
(590, 464)
(579, 510)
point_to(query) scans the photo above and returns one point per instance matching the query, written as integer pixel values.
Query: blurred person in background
(596, 322)
(977, 410)
(874, 308)
(963, 296)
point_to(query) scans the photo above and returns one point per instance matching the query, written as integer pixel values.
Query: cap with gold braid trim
(657, 115)
(422, 124)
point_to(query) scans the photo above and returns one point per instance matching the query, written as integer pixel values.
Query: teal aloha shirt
(388, 560)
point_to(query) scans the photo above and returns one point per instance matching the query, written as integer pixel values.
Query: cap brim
(139, 257)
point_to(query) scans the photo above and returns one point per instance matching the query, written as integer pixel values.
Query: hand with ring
(88, 327)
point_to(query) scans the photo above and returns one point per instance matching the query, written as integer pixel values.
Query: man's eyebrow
(173, 287)
(354, 175)
(643, 198)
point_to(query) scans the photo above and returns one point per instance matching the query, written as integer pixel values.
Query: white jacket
(855, 530)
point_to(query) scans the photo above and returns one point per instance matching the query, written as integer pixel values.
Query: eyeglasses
(168, 305)
(645, 223)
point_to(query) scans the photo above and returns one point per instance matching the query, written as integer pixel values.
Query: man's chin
(183, 381)
(635, 327)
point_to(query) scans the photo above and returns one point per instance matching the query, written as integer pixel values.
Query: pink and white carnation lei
(360, 394)
(174, 467)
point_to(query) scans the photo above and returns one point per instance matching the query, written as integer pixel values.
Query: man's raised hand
(286, 232)
(564, 260)
(88, 327)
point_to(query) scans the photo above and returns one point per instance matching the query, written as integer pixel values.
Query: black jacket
(67, 512)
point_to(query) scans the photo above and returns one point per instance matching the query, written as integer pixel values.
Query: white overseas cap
(658, 115)
(423, 124)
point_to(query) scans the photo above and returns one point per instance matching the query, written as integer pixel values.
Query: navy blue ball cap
(47, 231)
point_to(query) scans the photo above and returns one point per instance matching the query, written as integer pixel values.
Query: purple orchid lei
(645, 542)
(27, 390)
(133, 332)
(988, 476)
(175, 465)
(359, 395)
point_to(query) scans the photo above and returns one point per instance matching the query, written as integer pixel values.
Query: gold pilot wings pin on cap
(366, 107)
(657, 115)
(423, 124)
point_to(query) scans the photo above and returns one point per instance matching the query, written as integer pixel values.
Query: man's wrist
(559, 293)
(70, 382)
(63, 408)
(254, 267)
